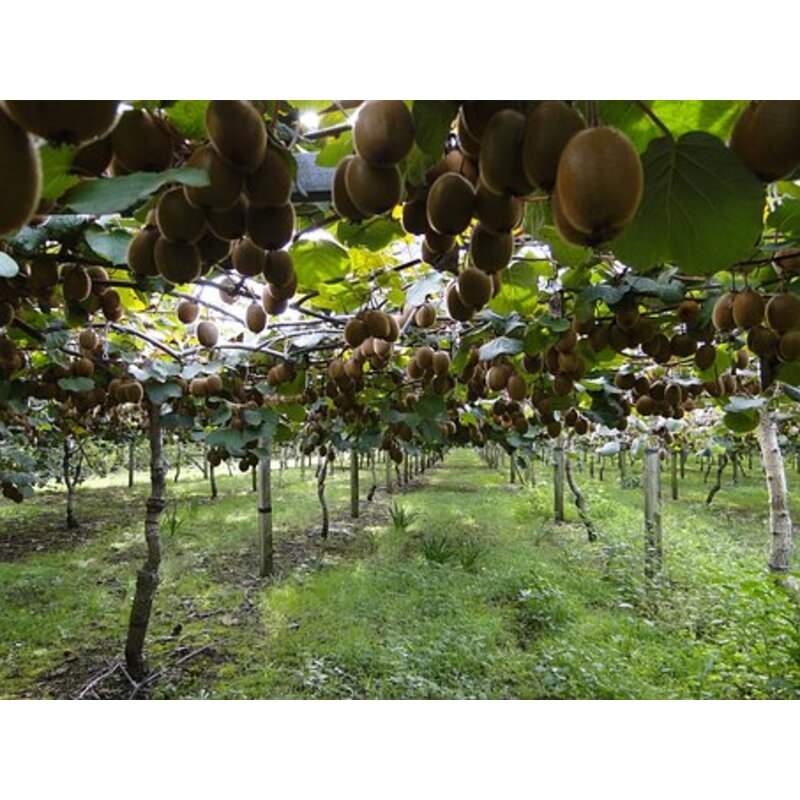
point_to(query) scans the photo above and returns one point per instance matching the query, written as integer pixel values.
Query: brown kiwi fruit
(722, 315)
(789, 346)
(425, 316)
(475, 115)
(373, 190)
(748, 309)
(198, 388)
(762, 341)
(383, 134)
(177, 220)
(783, 312)
(214, 384)
(688, 311)
(450, 204)
(490, 251)
(497, 377)
(271, 228)
(44, 274)
(456, 307)
(77, 283)
(548, 129)
(256, 317)
(683, 345)
(65, 121)
(440, 363)
(624, 380)
(272, 304)
(599, 182)
(92, 159)
(228, 290)
(645, 405)
(141, 253)
(6, 314)
(229, 223)
(20, 176)
(497, 213)
(474, 287)
(188, 311)
(767, 138)
(141, 142)
(225, 185)
(176, 261)
(340, 197)
(271, 183)
(787, 259)
(279, 267)
(377, 323)
(424, 357)
(466, 141)
(248, 258)
(516, 387)
(237, 132)
(207, 333)
(705, 356)
(212, 250)
(501, 154)
(355, 332)
(415, 216)
(87, 339)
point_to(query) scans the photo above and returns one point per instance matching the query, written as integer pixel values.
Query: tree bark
(722, 462)
(558, 484)
(322, 474)
(131, 462)
(580, 503)
(354, 483)
(673, 465)
(780, 520)
(178, 464)
(265, 511)
(389, 465)
(212, 477)
(652, 512)
(374, 473)
(147, 578)
(66, 465)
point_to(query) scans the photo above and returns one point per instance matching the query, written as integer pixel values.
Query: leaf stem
(653, 117)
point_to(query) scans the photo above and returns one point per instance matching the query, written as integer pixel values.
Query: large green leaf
(56, 166)
(701, 210)
(113, 195)
(786, 217)
(335, 150)
(432, 121)
(520, 290)
(319, 260)
(111, 245)
(501, 346)
(189, 117)
(374, 234)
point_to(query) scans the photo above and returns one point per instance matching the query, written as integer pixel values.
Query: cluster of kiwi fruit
(766, 137)
(773, 326)
(370, 182)
(432, 368)
(209, 386)
(370, 334)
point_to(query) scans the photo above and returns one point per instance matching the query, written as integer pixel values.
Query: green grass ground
(481, 596)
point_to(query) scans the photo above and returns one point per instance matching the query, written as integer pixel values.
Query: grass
(482, 596)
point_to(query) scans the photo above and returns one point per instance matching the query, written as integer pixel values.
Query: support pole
(558, 484)
(265, 511)
(652, 512)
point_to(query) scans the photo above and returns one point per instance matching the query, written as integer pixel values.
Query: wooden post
(621, 462)
(353, 483)
(389, 464)
(512, 469)
(212, 477)
(591, 465)
(652, 512)
(131, 462)
(673, 463)
(265, 511)
(558, 484)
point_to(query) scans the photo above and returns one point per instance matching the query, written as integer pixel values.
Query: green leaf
(431, 407)
(56, 166)
(501, 346)
(160, 392)
(335, 150)
(432, 121)
(113, 195)
(76, 384)
(189, 117)
(229, 438)
(110, 244)
(416, 164)
(741, 421)
(520, 288)
(786, 217)
(428, 285)
(316, 261)
(8, 267)
(701, 210)
(375, 234)
(563, 252)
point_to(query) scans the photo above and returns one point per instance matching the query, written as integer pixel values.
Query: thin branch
(149, 339)
(655, 119)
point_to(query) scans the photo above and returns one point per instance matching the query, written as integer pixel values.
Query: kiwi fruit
(497, 377)
(212, 250)
(141, 142)
(474, 287)
(501, 154)
(383, 134)
(497, 213)
(207, 333)
(340, 197)
(355, 332)
(229, 223)
(624, 380)
(229, 290)
(516, 387)
(77, 283)
(683, 345)
(569, 233)
(415, 216)
(783, 312)
(92, 159)
(271, 228)
(273, 304)
(748, 309)
(548, 129)
(767, 138)
(285, 291)
(271, 183)
(787, 259)
(20, 176)
(237, 132)
(490, 251)
(425, 316)
(474, 115)
(424, 357)
(722, 314)
(762, 341)
(645, 405)
(567, 341)
(599, 182)
(450, 204)
(705, 356)
(456, 307)
(466, 141)
(248, 258)
(225, 183)
(256, 317)
(198, 387)
(141, 253)
(178, 262)
(65, 121)
(188, 311)
(44, 274)
(789, 346)
(377, 323)
(177, 220)
(688, 311)
(279, 267)
(87, 339)
(373, 190)
(440, 363)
